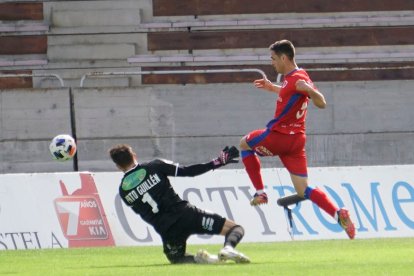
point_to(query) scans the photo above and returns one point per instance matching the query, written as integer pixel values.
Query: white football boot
(203, 257)
(229, 253)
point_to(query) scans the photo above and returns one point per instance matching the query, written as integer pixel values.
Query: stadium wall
(365, 123)
(61, 210)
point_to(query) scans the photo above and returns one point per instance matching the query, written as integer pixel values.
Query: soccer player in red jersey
(284, 135)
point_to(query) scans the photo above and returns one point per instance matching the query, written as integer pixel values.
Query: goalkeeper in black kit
(145, 188)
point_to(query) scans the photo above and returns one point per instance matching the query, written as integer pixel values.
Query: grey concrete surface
(365, 123)
(135, 10)
(30, 115)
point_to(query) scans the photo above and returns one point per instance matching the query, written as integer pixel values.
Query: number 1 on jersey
(146, 198)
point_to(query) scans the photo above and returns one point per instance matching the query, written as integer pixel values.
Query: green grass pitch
(391, 256)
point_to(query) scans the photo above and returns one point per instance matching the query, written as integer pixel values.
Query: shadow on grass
(120, 266)
(160, 265)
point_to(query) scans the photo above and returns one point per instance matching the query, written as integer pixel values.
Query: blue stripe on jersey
(291, 102)
(258, 139)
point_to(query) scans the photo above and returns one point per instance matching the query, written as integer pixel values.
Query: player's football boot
(203, 257)
(259, 199)
(229, 253)
(346, 223)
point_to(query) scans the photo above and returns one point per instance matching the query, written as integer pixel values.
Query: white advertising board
(83, 209)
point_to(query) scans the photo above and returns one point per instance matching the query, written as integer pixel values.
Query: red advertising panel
(82, 217)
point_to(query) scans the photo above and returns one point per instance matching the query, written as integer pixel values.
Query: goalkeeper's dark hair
(122, 155)
(283, 47)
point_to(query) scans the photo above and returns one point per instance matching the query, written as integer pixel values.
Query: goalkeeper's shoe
(259, 199)
(229, 253)
(346, 223)
(203, 257)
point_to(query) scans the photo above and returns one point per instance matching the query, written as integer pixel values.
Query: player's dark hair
(122, 155)
(283, 47)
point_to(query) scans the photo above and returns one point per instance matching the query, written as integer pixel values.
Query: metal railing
(34, 75)
(167, 72)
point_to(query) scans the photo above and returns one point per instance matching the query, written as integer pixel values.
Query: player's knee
(300, 191)
(174, 252)
(174, 257)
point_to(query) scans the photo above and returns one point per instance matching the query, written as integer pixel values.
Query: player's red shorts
(289, 147)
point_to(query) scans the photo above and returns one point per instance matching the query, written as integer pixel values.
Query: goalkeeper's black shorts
(192, 221)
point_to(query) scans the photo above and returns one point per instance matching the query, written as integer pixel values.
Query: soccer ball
(62, 147)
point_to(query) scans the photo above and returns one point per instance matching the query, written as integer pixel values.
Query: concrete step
(261, 56)
(139, 39)
(26, 61)
(95, 47)
(285, 20)
(91, 51)
(23, 27)
(97, 30)
(91, 5)
(98, 17)
(104, 16)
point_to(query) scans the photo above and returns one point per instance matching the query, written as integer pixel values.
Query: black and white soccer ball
(63, 147)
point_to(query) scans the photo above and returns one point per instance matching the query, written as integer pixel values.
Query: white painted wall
(380, 200)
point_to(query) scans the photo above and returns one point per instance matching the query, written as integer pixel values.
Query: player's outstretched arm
(317, 97)
(267, 85)
(227, 155)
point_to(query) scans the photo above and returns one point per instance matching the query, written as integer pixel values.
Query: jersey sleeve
(301, 76)
(173, 169)
(167, 167)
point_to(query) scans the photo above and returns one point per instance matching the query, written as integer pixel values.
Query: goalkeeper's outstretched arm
(227, 155)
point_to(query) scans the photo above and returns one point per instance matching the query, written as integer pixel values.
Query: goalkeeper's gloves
(227, 155)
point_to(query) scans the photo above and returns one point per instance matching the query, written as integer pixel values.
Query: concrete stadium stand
(365, 123)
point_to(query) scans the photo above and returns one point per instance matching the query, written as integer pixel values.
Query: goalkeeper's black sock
(234, 236)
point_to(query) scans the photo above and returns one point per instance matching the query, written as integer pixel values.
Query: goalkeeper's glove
(227, 155)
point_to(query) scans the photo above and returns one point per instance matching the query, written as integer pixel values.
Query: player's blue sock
(320, 198)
